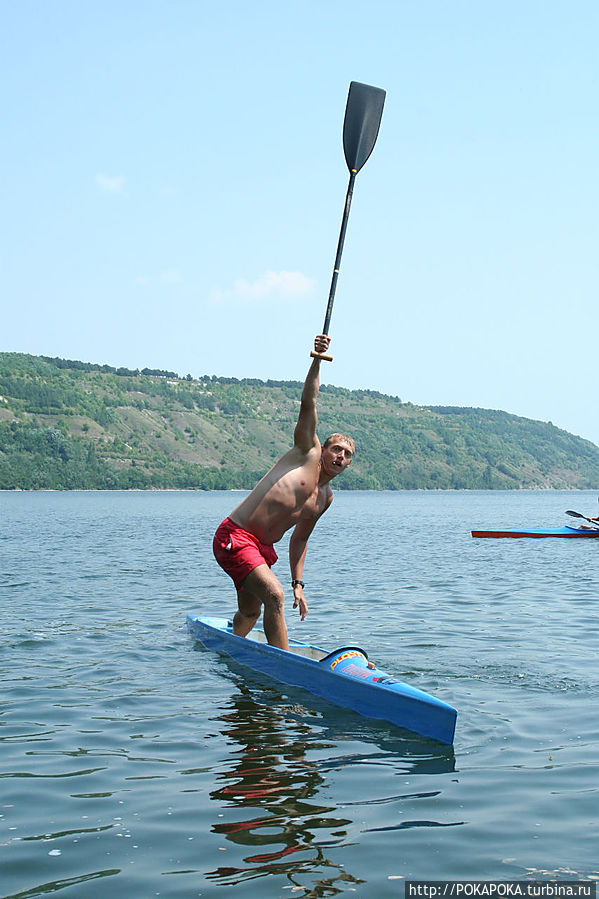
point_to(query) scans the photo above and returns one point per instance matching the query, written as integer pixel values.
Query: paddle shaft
(337, 265)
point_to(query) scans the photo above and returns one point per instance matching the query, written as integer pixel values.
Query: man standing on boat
(293, 494)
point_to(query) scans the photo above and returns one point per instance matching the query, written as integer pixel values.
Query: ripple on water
(135, 762)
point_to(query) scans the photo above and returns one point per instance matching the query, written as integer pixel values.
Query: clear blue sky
(173, 183)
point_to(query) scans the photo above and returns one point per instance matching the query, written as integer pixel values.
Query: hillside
(68, 425)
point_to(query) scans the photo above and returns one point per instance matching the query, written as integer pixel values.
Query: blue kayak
(344, 677)
(540, 532)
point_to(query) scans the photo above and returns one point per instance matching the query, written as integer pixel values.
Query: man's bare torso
(288, 492)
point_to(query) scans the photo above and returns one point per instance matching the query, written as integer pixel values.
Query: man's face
(336, 457)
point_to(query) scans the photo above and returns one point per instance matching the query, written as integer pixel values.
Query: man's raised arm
(304, 436)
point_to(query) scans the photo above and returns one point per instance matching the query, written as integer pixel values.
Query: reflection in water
(55, 885)
(270, 772)
(272, 782)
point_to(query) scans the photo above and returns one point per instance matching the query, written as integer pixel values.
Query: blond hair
(332, 438)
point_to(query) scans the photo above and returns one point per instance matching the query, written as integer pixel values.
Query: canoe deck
(540, 532)
(344, 677)
(297, 648)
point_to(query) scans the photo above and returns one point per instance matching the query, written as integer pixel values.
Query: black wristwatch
(295, 582)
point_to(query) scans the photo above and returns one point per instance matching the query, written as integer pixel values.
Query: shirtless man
(293, 494)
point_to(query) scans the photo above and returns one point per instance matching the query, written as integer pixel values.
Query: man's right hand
(321, 343)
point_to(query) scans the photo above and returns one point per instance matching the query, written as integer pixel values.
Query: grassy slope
(68, 425)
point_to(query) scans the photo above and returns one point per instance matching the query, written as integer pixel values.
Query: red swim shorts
(238, 552)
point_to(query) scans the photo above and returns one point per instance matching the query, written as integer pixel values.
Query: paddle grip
(322, 356)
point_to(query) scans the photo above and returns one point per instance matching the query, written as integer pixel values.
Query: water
(133, 762)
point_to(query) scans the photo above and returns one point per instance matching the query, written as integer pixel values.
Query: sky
(173, 181)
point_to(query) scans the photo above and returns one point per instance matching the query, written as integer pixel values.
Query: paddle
(578, 515)
(363, 113)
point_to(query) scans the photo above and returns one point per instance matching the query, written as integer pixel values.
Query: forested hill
(69, 425)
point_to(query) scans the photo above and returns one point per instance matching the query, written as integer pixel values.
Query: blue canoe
(540, 532)
(342, 677)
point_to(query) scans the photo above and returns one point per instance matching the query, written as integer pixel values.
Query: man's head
(341, 438)
(337, 452)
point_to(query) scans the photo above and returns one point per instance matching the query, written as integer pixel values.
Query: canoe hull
(341, 677)
(539, 532)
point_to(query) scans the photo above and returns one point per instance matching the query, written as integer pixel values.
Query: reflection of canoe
(540, 532)
(342, 677)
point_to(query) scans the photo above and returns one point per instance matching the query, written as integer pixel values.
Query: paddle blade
(363, 114)
(575, 514)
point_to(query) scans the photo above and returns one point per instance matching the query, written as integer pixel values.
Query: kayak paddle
(578, 515)
(363, 113)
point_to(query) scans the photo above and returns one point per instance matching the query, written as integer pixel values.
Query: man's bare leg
(262, 585)
(248, 612)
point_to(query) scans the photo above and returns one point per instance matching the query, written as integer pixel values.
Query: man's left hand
(300, 600)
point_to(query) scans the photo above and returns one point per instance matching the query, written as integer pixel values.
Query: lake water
(135, 763)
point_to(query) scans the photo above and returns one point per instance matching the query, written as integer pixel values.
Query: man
(293, 494)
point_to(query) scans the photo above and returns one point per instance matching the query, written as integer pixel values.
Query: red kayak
(540, 532)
